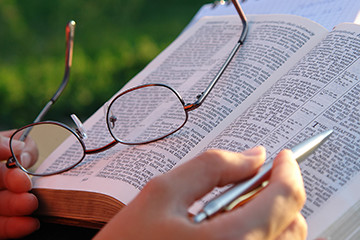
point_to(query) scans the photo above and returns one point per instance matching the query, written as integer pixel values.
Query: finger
(273, 209)
(26, 152)
(17, 204)
(213, 168)
(14, 180)
(5, 152)
(29, 154)
(17, 227)
(3, 170)
(7, 133)
(297, 230)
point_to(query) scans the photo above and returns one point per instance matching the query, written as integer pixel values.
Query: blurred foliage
(114, 40)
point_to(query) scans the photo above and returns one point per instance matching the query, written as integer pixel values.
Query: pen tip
(303, 149)
(328, 132)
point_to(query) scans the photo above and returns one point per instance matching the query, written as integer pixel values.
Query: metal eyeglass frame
(80, 133)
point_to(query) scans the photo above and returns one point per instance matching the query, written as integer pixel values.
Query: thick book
(291, 79)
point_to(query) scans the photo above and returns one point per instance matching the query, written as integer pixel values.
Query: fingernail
(25, 159)
(253, 151)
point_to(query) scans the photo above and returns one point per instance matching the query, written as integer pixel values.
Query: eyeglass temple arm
(203, 95)
(243, 20)
(70, 31)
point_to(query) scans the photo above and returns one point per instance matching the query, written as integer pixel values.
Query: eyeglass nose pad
(79, 127)
(112, 120)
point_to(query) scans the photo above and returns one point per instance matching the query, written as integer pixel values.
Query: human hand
(160, 209)
(16, 203)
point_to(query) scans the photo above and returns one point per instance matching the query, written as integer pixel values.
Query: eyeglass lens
(139, 116)
(47, 137)
(145, 114)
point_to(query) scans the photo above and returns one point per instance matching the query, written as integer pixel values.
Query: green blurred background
(114, 40)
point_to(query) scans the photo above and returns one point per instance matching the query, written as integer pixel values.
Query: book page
(273, 44)
(321, 92)
(327, 13)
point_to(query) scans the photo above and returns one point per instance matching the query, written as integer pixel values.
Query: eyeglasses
(139, 115)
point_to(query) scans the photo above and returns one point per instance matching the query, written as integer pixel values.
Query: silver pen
(221, 202)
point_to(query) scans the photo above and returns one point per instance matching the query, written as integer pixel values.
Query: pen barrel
(220, 203)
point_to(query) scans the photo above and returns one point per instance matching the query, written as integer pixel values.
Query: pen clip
(242, 200)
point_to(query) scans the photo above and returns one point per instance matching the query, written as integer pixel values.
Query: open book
(291, 79)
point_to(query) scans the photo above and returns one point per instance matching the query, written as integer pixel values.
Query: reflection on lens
(145, 114)
(47, 137)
